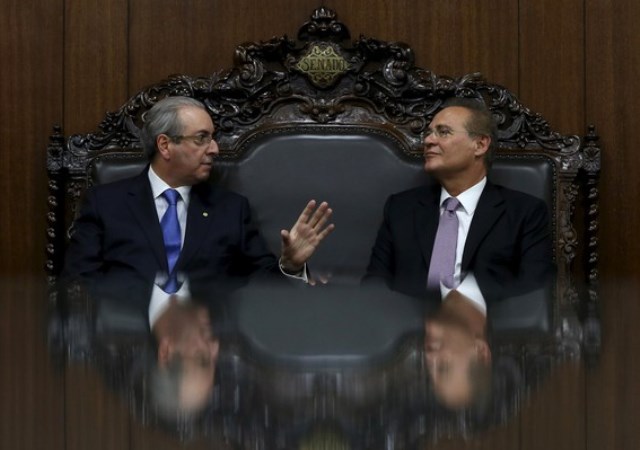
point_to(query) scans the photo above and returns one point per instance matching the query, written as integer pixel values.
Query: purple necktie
(172, 236)
(443, 257)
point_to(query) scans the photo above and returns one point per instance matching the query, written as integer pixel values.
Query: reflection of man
(501, 242)
(458, 356)
(121, 227)
(183, 379)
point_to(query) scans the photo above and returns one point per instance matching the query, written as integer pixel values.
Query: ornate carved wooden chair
(327, 118)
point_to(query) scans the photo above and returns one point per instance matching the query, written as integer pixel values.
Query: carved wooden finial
(324, 25)
(323, 13)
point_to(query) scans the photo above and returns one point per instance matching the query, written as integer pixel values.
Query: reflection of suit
(508, 247)
(118, 231)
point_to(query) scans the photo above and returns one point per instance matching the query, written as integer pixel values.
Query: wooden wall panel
(613, 63)
(31, 97)
(551, 62)
(198, 37)
(95, 418)
(255, 20)
(613, 410)
(95, 81)
(31, 406)
(449, 37)
(551, 72)
(171, 36)
(95, 61)
(31, 390)
(554, 417)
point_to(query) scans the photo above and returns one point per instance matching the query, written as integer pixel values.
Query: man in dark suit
(120, 227)
(503, 245)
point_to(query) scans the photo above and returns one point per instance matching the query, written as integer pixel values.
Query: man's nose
(213, 148)
(430, 139)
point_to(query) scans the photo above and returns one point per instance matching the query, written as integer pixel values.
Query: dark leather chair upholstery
(350, 137)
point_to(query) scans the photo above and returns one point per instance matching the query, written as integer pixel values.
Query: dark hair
(480, 123)
(163, 118)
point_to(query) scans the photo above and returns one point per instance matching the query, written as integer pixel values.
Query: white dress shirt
(466, 282)
(160, 300)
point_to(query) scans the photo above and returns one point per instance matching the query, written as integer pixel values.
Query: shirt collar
(468, 199)
(160, 300)
(158, 186)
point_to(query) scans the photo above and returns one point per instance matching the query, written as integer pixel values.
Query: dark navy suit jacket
(117, 231)
(508, 248)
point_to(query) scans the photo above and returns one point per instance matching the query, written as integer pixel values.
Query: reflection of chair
(323, 118)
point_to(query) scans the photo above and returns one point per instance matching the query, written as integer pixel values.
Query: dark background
(67, 62)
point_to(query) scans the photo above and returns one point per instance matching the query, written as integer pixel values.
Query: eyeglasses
(198, 139)
(442, 132)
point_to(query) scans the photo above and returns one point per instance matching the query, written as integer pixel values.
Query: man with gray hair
(170, 220)
(463, 233)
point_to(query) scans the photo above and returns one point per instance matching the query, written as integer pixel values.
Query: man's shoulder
(123, 184)
(416, 193)
(518, 203)
(515, 196)
(205, 189)
(217, 193)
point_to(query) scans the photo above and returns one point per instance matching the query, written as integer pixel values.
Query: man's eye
(445, 132)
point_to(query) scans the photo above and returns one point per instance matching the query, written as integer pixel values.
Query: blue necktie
(443, 257)
(172, 237)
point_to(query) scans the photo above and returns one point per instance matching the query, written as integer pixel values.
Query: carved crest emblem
(323, 65)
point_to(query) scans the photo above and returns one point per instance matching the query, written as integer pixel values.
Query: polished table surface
(329, 367)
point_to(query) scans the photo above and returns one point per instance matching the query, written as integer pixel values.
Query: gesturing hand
(299, 243)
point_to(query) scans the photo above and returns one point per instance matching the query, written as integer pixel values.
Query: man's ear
(162, 143)
(215, 348)
(483, 351)
(482, 145)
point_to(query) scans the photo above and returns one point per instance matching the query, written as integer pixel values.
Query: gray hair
(163, 118)
(164, 387)
(480, 123)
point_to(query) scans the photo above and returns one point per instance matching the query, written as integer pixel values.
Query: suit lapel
(199, 218)
(427, 216)
(489, 209)
(140, 201)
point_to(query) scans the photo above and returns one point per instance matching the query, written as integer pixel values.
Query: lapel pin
(205, 214)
